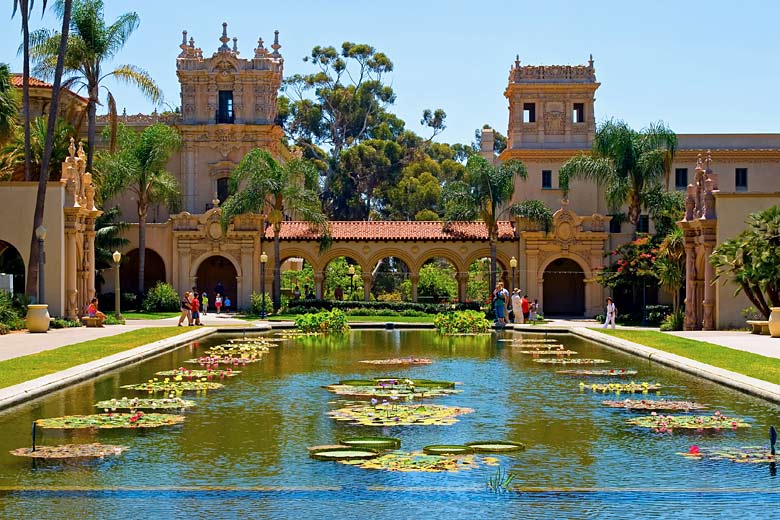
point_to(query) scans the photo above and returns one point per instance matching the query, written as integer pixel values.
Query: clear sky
(701, 66)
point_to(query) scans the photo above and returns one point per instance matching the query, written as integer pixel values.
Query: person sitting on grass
(93, 312)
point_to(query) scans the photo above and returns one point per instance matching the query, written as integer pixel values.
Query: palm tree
(9, 108)
(625, 163)
(108, 238)
(260, 184)
(25, 8)
(40, 198)
(91, 44)
(485, 194)
(13, 157)
(139, 165)
(670, 264)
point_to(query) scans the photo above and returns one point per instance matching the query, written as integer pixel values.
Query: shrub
(64, 323)
(111, 320)
(4, 329)
(461, 322)
(256, 304)
(326, 322)
(304, 306)
(161, 298)
(657, 313)
(127, 301)
(674, 321)
(10, 314)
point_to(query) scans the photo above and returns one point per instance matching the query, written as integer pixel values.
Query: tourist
(186, 308)
(500, 297)
(309, 293)
(195, 309)
(517, 309)
(338, 293)
(204, 303)
(93, 312)
(534, 310)
(297, 293)
(218, 302)
(525, 306)
(219, 288)
(611, 314)
(227, 304)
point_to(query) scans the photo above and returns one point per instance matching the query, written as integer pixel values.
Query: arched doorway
(436, 281)
(391, 275)
(564, 289)
(343, 276)
(154, 271)
(215, 270)
(11, 263)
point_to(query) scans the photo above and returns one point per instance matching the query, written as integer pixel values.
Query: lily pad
(377, 443)
(572, 361)
(70, 451)
(213, 361)
(540, 346)
(134, 403)
(399, 415)
(550, 352)
(393, 389)
(348, 453)
(447, 449)
(174, 386)
(417, 462)
(609, 372)
(110, 421)
(617, 388)
(495, 446)
(397, 361)
(700, 423)
(187, 374)
(322, 447)
(656, 405)
(745, 455)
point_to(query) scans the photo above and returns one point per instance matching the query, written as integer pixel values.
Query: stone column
(368, 283)
(182, 282)
(463, 280)
(319, 278)
(90, 254)
(414, 279)
(708, 304)
(71, 251)
(690, 287)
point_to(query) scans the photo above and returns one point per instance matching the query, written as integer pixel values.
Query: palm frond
(137, 76)
(597, 169)
(119, 32)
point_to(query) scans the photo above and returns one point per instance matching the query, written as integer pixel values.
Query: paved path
(738, 340)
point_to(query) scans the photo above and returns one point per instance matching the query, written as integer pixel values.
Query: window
(614, 224)
(223, 190)
(225, 110)
(680, 178)
(546, 179)
(578, 114)
(740, 179)
(529, 112)
(643, 226)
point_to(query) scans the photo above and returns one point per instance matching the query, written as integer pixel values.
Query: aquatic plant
(501, 481)
(549, 352)
(397, 361)
(461, 322)
(387, 414)
(334, 321)
(495, 446)
(399, 388)
(447, 449)
(744, 455)
(608, 372)
(700, 423)
(209, 374)
(630, 388)
(135, 403)
(539, 346)
(110, 420)
(346, 453)
(377, 443)
(153, 385)
(657, 405)
(416, 461)
(213, 361)
(70, 451)
(574, 361)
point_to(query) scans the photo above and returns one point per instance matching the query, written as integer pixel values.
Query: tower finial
(276, 45)
(224, 39)
(590, 61)
(184, 37)
(517, 61)
(260, 50)
(235, 45)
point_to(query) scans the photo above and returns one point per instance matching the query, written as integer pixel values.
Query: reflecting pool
(242, 450)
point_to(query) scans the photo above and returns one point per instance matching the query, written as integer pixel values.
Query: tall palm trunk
(277, 270)
(26, 86)
(40, 200)
(142, 212)
(94, 92)
(493, 263)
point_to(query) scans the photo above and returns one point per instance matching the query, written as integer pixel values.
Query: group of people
(521, 307)
(308, 293)
(193, 304)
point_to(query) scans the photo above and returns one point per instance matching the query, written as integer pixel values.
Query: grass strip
(137, 315)
(24, 368)
(745, 363)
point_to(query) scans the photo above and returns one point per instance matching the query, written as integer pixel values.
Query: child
(195, 304)
(93, 312)
(204, 303)
(218, 303)
(227, 304)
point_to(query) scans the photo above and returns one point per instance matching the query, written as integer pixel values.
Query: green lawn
(369, 319)
(746, 363)
(21, 369)
(138, 315)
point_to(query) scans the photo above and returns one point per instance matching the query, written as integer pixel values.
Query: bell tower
(551, 106)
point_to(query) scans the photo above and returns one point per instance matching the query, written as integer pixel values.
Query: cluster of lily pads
(398, 361)
(618, 388)
(571, 361)
(607, 372)
(549, 352)
(744, 455)
(700, 423)
(393, 388)
(392, 414)
(656, 405)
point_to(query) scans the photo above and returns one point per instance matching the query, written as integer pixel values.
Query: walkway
(738, 340)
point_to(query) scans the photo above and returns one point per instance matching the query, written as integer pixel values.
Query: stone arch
(394, 252)
(568, 294)
(501, 258)
(448, 254)
(328, 285)
(211, 268)
(155, 270)
(12, 262)
(334, 253)
(295, 252)
(386, 280)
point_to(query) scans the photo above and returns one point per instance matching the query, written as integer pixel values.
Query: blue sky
(701, 66)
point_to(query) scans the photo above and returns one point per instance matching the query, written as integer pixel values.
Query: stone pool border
(34, 388)
(745, 384)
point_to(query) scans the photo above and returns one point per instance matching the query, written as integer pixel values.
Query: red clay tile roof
(17, 80)
(394, 230)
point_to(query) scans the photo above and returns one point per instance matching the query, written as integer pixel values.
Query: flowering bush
(333, 321)
(461, 322)
(634, 264)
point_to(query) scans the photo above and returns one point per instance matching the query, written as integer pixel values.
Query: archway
(339, 283)
(154, 271)
(563, 288)
(437, 281)
(11, 263)
(478, 288)
(297, 277)
(215, 271)
(390, 275)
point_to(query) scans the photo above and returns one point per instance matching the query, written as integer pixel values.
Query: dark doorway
(154, 271)
(564, 289)
(11, 262)
(214, 270)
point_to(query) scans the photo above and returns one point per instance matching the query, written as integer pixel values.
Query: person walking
(525, 306)
(185, 308)
(204, 303)
(219, 288)
(500, 297)
(517, 307)
(338, 293)
(195, 309)
(611, 314)
(218, 302)
(226, 303)
(534, 310)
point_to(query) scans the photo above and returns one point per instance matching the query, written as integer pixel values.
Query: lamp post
(263, 261)
(351, 272)
(117, 256)
(40, 234)
(513, 265)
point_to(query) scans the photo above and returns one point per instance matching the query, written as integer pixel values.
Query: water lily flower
(694, 450)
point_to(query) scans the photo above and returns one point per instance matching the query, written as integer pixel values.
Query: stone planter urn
(774, 322)
(37, 318)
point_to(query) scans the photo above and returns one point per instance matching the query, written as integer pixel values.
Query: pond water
(242, 450)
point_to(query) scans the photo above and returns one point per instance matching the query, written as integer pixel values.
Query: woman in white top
(517, 306)
(611, 314)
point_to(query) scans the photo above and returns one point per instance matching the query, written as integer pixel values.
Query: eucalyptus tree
(485, 194)
(261, 184)
(91, 45)
(625, 163)
(139, 165)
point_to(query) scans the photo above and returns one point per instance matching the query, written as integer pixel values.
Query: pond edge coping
(23, 392)
(745, 384)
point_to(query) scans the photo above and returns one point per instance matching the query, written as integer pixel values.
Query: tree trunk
(142, 210)
(277, 271)
(493, 265)
(40, 200)
(26, 87)
(94, 98)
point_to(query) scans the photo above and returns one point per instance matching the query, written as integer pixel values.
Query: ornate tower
(228, 108)
(551, 106)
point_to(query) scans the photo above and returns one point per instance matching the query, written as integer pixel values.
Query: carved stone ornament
(566, 225)
(554, 123)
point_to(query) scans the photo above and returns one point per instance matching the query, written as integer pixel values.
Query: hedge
(304, 306)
